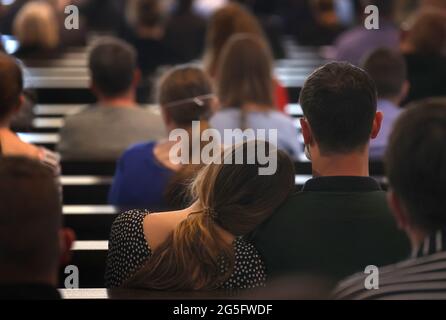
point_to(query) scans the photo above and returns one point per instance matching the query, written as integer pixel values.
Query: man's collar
(342, 184)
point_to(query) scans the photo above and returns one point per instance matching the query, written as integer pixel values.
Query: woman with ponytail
(145, 177)
(202, 247)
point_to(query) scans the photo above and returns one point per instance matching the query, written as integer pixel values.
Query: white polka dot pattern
(128, 251)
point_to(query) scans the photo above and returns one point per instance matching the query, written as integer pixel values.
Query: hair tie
(210, 212)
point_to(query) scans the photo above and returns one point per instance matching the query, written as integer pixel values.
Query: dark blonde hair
(175, 92)
(232, 19)
(232, 197)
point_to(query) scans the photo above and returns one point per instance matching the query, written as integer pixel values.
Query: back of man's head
(11, 85)
(389, 71)
(416, 163)
(339, 101)
(112, 65)
(30, 221)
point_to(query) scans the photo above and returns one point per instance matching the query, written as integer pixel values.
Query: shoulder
(139, 150)
(129, 222)
(249, 268)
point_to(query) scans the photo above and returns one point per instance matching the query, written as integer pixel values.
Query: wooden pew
(90, 258)
(85, 190)
(90, 222)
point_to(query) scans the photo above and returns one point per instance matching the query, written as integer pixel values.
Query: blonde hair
(36, 25)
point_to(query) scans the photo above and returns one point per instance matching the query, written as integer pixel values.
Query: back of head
(389, 71)
(30, 221)
(112, 65)
(226, 22)
(339, 101)
(416, 163)
(185, 94)
(36, 26)
(149, 13)
(11, 85)
(426, 32)
(233, 197)
(244, 74)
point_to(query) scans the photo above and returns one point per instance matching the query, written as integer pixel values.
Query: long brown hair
(245, 74)
(232, 197)
(231, 19)
(175, 89)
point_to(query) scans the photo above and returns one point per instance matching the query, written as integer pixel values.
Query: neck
(125, 101)
(352, 165)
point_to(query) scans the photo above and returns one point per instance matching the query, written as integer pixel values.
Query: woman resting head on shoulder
(203, 247)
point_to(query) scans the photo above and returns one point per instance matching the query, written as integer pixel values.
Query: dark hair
(149, 13)
(11, 84)
(233, 197)
(30, 219)
(416, 162)
(339, 101)
(112, 64)
(389, 71)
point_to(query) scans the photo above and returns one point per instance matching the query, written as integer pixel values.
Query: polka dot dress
(128, 251)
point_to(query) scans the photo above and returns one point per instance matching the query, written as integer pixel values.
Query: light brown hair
(245, 73)
(232, 197)
(226, 22)
(36, 25)
(175, 89)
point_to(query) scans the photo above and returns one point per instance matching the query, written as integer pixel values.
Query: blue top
(391, 113)
(287, 130)
(140, 180)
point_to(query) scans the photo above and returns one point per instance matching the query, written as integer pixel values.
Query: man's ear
(306, 131)
(19, 105)
(398, 211)
(66, 240)
(377, 122)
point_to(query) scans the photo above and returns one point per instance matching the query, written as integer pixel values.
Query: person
(185, 32)
(226, 22)
(202, 247)
(339, 223)
(103, 131)
(37, 29)
(146, 177)
(32, 241)
(388, 69)
(245, 91)
(415, 162)
(354, 44)
(147, 35)
(423, 45)
(11, 102)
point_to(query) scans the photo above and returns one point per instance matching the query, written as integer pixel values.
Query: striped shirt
(422, 277)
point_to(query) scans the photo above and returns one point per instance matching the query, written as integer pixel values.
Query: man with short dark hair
(105, 130)
(388, 69)
(416, 167)
(339, 223)
(32, 241)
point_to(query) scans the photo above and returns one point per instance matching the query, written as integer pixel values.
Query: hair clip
(198, 100)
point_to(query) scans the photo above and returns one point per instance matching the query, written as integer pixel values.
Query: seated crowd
(193, 225)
